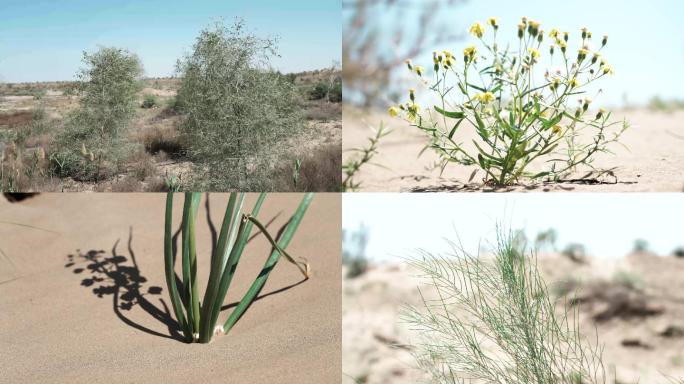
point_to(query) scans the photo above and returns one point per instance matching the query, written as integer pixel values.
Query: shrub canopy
(237, 109)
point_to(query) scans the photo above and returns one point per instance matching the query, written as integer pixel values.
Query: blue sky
(607, 224)
(44, 39)
(646, 46)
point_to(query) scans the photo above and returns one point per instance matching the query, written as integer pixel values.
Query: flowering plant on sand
(527, 102)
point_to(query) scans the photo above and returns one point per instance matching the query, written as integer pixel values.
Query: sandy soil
(376, 344)
(652, 160)
(62, 324)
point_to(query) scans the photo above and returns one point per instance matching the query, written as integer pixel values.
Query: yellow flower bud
(393, 111)
(477, 29)
(494, 22)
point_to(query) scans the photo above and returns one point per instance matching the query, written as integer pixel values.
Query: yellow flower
(557, 129)
(413, 110)
(554, 33)
(534, 53)
(447, 54)
(419, 70)
(393, 111)
(534, 24)
(573, 82)
(608, 70)
(477, 29)
(493, 21)
(485, 98)
(469, 53)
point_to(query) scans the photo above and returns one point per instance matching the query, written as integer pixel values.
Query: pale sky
(607, 224)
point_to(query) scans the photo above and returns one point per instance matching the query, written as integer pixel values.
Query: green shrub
(149, 101)
(237, 110)
(331, 91)
(92, 144)
(493, 321)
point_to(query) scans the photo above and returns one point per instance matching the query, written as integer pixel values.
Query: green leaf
(452, 115)
(476, 87)
(453, 130)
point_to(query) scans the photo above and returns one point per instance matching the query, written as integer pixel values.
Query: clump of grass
(318, 170)
(493, 320)
(352, 166)
(197, 315)
(520, 114)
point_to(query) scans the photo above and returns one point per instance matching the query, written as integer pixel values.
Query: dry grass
(323, 111)
(319, 171)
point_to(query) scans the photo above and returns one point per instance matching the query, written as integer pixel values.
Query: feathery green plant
(353, 165)
(494, 320)
(196, 319)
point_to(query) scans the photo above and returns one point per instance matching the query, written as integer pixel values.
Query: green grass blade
(270, 263)
(233, 260)
(194, 295)
(169, 270)
(185, 257)
(223, 247)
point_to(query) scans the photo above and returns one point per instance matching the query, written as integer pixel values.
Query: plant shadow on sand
(112, 274)
(545, 186)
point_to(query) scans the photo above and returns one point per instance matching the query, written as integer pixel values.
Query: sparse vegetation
(113, 130)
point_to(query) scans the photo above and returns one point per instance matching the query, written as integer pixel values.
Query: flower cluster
(517, 115)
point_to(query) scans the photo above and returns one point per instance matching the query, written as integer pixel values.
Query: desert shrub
(92, 144)
(149, 101)
(237, 110)
(330, 91)
(354, 245)
(575, 252)
(640, 246)
(678, 252)
(492, 320)
(319, 91)
(519, 116)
